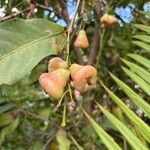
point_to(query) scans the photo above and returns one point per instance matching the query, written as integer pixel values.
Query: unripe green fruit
(81, 40)
(56, 63)
(85, 78)
(51, 86)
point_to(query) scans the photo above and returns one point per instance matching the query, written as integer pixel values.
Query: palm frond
(138, 71)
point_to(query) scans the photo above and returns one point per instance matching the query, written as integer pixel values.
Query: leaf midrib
(26, 45)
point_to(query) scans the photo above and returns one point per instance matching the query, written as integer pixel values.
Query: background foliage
(114, 115)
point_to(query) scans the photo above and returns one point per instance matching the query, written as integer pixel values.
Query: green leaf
(44, 112)
(130, 137)
(142, 27)
(138, 70)
(24, 43)
(144, 85)
(142, 45)
(5, 119)
(2, 137)
(133, 96)
(144, 38)
(104, 136)
(145, 62)
(63, 142)
(142, 127)
(36, 146)
(6, 107)
(10, 128)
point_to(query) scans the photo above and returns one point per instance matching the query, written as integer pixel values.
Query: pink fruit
(56, 63)
(107, 20)
(81, 40)
(51, 86)
(74, 69)
(84, 78)
(61, 76)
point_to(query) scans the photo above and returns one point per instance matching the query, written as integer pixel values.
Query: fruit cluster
(83, 77)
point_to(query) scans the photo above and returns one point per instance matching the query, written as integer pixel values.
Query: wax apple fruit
(61, 76)
(56, 63)
(81, 40)
(55, 80)
(51, 86)
(107, 20)
(74, 68)
(84, 77)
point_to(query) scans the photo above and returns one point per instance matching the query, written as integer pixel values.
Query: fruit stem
(63, 124)
(68, 47)
(70, 92)
(59, 104)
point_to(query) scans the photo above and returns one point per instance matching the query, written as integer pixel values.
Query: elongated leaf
(5, 119)
(138, 70)
(145, 62)
(2, 137)
(130, 137)
(106, 138)
(145, 86)
(23, 44)
(144, 38)
(142, 45)
(142, 127)
(63, 141)
(142, 27)
(133, 96)
(6, 107)
(10, 128)
(36, 146)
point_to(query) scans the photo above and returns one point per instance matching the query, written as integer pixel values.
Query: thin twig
(94, 46)
(46, 3)
(73, 19)
(32, 6)
(14, 15)
(70, 30)
(65, 11)
(28, 9)
(79, 56)
(83, 7)
(48, 141)
(75, 142)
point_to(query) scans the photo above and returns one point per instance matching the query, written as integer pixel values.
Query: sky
(124, 13)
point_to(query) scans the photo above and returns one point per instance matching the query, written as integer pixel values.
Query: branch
(63, 14)
(69, 30)
(32, 6)
(14, 15)
(73, 19)
(79, 56)
(94, 46)
(59, 10)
